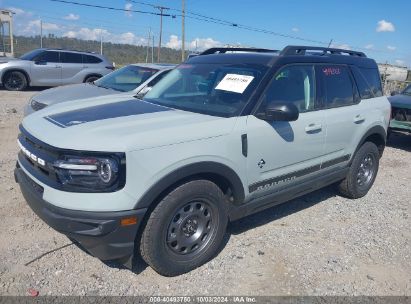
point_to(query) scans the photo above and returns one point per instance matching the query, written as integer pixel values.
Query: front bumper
(100, 233)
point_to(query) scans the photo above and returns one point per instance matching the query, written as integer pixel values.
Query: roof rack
(222, 50)
(69, 50)
(302, 50)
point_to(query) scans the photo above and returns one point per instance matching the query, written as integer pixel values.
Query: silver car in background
(132, 80)
(52, 67)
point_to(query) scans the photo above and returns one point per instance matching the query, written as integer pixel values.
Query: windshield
(213, 89)
(125, 79)
(31, 55)
(407, 91)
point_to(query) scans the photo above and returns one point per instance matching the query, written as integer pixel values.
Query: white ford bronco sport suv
(227, 133)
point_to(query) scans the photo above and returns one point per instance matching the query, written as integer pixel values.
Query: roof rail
(222, 50)
(302, 50)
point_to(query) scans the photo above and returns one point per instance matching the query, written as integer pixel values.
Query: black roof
(290, 54)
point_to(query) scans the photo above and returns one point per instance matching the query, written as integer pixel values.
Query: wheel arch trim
(196, 169)
(374, 131)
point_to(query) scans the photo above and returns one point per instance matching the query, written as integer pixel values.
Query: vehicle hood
(400, 101)
(71, 92)
(120, 125)
(8, 59)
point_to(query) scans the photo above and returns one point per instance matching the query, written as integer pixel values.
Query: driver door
(46, 69)
(281, 153)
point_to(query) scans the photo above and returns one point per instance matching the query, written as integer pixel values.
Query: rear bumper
(99, 233)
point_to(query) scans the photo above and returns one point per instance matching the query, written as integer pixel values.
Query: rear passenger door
(71, 64)
(345, 117)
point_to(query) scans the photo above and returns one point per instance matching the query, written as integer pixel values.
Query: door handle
(58, 66)
(312, 128)
(359, 119)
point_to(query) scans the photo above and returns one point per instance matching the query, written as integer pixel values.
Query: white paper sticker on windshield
(234, 83)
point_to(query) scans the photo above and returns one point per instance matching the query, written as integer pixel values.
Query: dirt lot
(320, 244)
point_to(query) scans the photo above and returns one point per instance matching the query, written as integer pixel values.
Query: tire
(186, 228)
(362, 172)
(91, 78)
(15, 81)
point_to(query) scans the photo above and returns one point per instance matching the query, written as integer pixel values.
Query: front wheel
(362, 172)
(186, 228)
(15, 81)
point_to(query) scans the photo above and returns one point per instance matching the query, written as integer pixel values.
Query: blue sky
(380, 28)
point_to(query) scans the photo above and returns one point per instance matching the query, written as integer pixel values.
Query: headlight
(98, 174)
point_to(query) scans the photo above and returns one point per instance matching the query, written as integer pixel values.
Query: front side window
(71, 57)
(48, 56)
(292, 84)
(125, 79)
(213, 89)
(338, 86)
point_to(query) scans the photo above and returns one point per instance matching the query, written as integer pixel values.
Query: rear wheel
(362, 173)
(186, 228)
(15, 81)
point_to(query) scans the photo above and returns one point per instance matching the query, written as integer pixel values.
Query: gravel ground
(320, 244)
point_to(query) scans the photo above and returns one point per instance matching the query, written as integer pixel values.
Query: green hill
(121, 54)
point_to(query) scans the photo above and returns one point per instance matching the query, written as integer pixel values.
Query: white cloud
(128, 7)
(33, 27)
(96, 33)
(197, 43)
(385, 26)
(71, 16)
(341, 46)
(391, 48)
(369, 46)
(400, 62)
(295, 29)
(19, 12)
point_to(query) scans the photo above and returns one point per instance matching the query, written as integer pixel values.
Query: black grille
(46, 172)
(400, 114)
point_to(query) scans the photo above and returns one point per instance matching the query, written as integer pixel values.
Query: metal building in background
(6, 33)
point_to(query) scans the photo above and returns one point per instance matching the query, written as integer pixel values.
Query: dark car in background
(401, 111)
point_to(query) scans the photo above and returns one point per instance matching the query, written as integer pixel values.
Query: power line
(111, 8)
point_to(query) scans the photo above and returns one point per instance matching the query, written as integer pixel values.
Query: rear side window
(338, 86)
(48, 56)
(368, 82)
(374, 80)
(71, 57)
(91, 59)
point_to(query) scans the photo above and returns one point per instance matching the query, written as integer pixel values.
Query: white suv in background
(52, 67)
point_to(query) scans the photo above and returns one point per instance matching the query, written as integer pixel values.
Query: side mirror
(38, 62)
(281, 112)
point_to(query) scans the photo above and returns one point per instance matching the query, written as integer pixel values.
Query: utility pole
(101, 41)
(152, 51)
(148, 43)
(41, 33)
(162, 9)
(183, 11)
